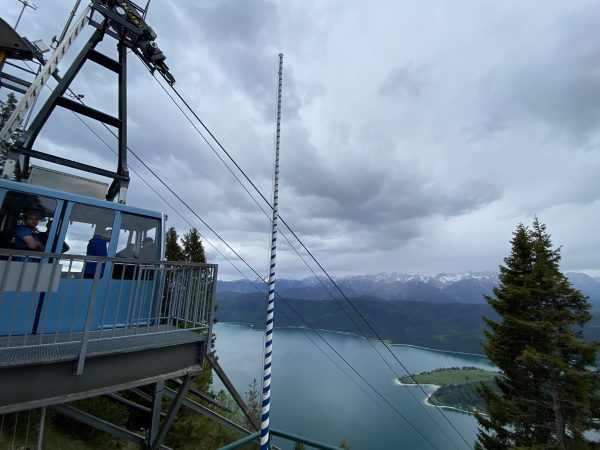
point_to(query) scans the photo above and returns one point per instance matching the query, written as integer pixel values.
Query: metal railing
(282, 434)
(57, 299)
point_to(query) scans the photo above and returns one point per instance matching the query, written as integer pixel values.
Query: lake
(311, 396)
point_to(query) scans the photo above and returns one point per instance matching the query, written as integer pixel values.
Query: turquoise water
(312, 397)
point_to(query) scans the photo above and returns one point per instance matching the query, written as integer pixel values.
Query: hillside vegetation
(459, 328)
(450, 326)
(457, 387)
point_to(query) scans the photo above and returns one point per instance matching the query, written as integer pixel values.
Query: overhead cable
(313, 258)
(278, 295)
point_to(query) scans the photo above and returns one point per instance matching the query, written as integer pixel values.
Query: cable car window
(89, 229)
(25, 220)
(138, 237)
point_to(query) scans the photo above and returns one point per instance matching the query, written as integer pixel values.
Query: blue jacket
(21, 232)
(97, 246)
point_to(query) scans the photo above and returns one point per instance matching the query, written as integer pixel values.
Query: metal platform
(47, 349)
(44, 374)
(66, 337)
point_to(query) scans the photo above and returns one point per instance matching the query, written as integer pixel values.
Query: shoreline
(348, 333)
(428, 397)
(435, 386)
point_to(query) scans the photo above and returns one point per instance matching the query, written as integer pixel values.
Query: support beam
(231, 389)
(141, 394)
(68, 163)
(130, 403)
(104, 61)
(12, 87)
(197, 407)
(203, 396)
(177, 401)
(98, 423)
(42, 426)
(92, 113)
(118, 188)
(16, 80)
(155, 418)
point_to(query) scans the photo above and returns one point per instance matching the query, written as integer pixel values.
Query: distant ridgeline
(442, 312)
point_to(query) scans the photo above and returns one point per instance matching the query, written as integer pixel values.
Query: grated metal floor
(26, 350)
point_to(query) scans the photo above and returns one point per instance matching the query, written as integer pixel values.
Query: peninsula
(456, 387)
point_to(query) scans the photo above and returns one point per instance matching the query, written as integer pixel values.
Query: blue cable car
(50, 294)
(53, 212)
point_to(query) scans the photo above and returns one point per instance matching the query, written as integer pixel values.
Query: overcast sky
(415, 135)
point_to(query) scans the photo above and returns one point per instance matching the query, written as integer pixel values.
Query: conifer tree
(192, 247)
(253, 401)
(548, 393)
(173, 251)
(7, 107)
(192, 251)
(192, 430)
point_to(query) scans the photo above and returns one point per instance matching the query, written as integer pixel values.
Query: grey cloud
(408, 80)
(230, 21)
(369, 189)
(558, 87)
(238, 37)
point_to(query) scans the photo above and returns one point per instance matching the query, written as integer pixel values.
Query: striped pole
(266, 395)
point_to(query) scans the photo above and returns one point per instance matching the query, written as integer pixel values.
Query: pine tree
(173, 251)
(253, 400)
(192, 247)
(548, 393)
(192, 251)
(192, 430)
(7, 107)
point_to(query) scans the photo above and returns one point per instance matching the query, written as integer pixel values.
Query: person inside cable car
(97, 246)
(127, 252)
(149, 249)
(27, 235)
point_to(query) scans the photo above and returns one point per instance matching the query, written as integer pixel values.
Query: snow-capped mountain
(466, 287)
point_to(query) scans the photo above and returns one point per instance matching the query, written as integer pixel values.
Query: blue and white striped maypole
(266, 396)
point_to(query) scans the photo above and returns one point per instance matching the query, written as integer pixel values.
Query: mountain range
(468, 287)
(442, 311)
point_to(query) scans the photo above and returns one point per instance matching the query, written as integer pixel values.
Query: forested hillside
(451, 326)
